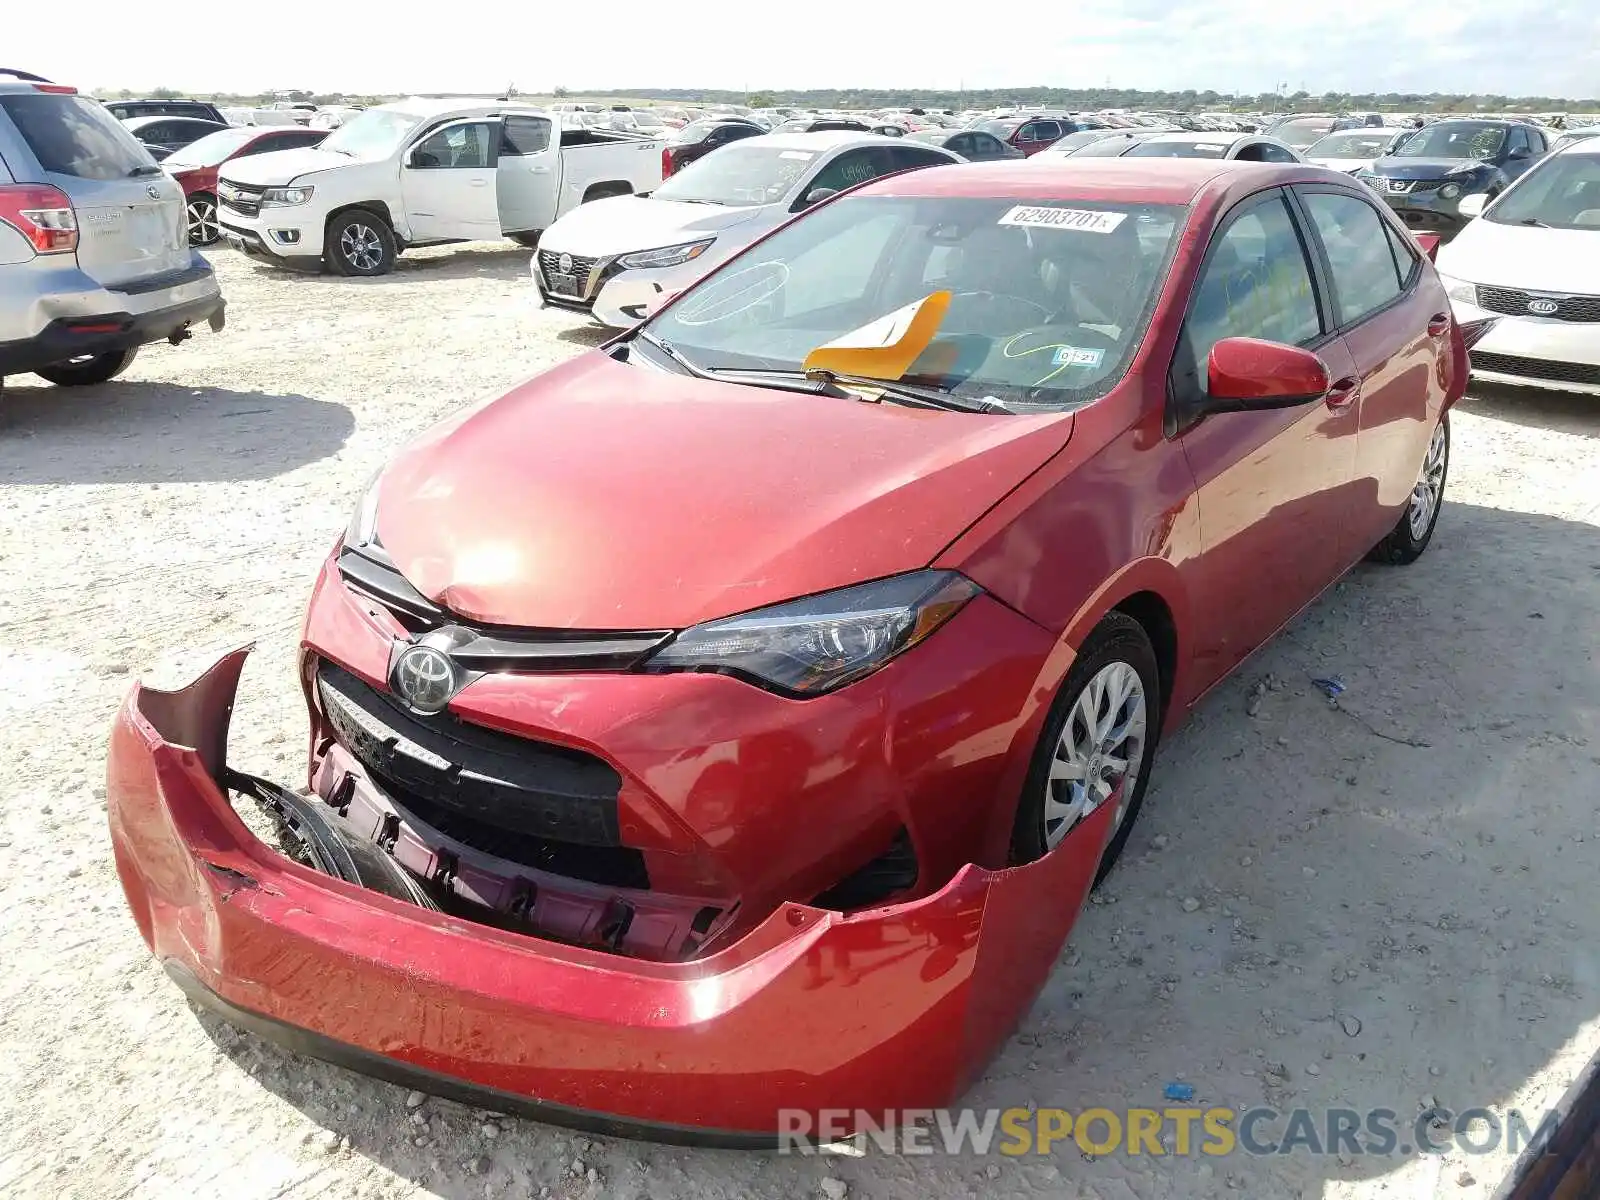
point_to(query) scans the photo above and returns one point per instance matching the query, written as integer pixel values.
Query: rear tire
(359, 243)
(91, 369)
(1116, 674)
(204, 229)
(1411, 534)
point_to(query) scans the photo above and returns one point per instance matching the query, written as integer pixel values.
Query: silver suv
(94, 243)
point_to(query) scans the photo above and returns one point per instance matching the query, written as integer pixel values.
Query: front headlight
(285, 197)
(807, 647)
(1459, 289)
(667, 256)
(363, 528)
(1450, 191)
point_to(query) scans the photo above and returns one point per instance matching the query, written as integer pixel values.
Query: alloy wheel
(361, 247)
(1430, 484)
(203, 227)
(1099, 753)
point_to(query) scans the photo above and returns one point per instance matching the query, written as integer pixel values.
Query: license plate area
(562, 285)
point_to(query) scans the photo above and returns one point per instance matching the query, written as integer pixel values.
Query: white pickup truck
(420, 172)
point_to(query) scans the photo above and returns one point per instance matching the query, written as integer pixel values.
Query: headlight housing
(666, 256)
(363, 528)
(285, 197)
(1459, 289)
(818, 644)
(1450, 191)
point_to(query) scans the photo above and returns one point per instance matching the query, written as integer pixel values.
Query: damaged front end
(343, 950)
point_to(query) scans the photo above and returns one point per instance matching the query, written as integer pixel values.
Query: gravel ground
(1314, 911)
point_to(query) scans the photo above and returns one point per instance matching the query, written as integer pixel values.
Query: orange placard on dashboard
(884, 348)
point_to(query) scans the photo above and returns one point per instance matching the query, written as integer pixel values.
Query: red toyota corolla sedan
(195, 167)
(736, 717)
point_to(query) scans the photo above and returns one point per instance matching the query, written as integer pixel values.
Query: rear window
(72, 135)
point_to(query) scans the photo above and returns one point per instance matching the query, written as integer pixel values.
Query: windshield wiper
(144, 169)
(911, 394)
(788, 381)
(1534, 221)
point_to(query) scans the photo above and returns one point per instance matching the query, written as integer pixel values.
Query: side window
(850, 168)
(1365, 277)
(1252, 152)
(1518, 140)
(909, 158)
(1406, 257)
(1271, 153)
(454, 146)
(525, 135)
(1256, 283)
(965, 144)
(1034, 131)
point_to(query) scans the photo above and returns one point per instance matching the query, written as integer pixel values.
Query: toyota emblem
(425, 678)
(565, 263)
(153, 192)
(1543, 308)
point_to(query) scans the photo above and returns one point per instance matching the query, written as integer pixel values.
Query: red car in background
(736, 717)
(1033, 134)
(195, 167)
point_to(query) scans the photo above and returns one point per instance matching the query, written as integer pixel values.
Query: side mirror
(1248, 374)
(1473, 205)
(818, 195)
(1428, 243)
(1520, 152)
(422, 158)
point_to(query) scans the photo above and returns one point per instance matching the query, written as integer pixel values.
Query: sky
(1246, 46)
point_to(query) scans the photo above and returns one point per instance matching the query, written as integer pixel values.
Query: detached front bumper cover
(887, 1008)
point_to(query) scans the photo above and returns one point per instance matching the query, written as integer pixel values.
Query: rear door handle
(1343, 393)
(1439, 325)
(479, 182)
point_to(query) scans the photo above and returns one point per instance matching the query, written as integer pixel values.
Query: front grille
(1536, 368)
(459, 774)
(1399, 187)
(480, 647)
(241, 199)
(582, 269)
(1514, 303)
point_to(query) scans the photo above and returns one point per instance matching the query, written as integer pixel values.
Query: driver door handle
(1439, 325)
(1343, 393)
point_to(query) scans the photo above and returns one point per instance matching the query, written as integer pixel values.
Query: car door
(1394, 317)
(529, 174)
(448, 182)
(1521, 150)
(1272, 486)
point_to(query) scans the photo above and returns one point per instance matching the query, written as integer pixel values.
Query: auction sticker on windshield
(1084, 219)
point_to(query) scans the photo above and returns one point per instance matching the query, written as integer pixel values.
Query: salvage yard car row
(901, 531)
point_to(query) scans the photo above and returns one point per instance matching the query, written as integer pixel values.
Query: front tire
(1097, 745)
(1405, 543)
(530, 240)
(359, 243)
(90, 369)
(204, 229)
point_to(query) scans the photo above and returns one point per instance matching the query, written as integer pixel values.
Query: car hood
(608, 496)
(278, 167)
(603, 228)
(1427, 168)
(1524, 257)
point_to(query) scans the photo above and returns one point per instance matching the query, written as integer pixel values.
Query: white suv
(94, 243)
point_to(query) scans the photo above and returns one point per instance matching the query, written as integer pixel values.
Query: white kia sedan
(1533, 258)
(620, 259)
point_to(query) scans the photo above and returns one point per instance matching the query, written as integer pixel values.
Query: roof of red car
(1142, 181)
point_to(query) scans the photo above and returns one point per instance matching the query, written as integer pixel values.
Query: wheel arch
(376, 207)
(605, 189)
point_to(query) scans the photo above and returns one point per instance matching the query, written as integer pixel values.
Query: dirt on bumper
(893, 1007)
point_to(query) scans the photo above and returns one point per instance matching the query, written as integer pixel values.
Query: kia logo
(1543, 308)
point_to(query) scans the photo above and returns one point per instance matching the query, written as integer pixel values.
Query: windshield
(1576, 135)
(1072, 141)
(1049, 300)
(739, 174)
(1356, 143)
(1160, 148)
(213, 149)
(1000, 129)
(374, 135)
(73, 135)
(1562, 192)
(1301, 134)
(648, 120)
(1454, 139)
